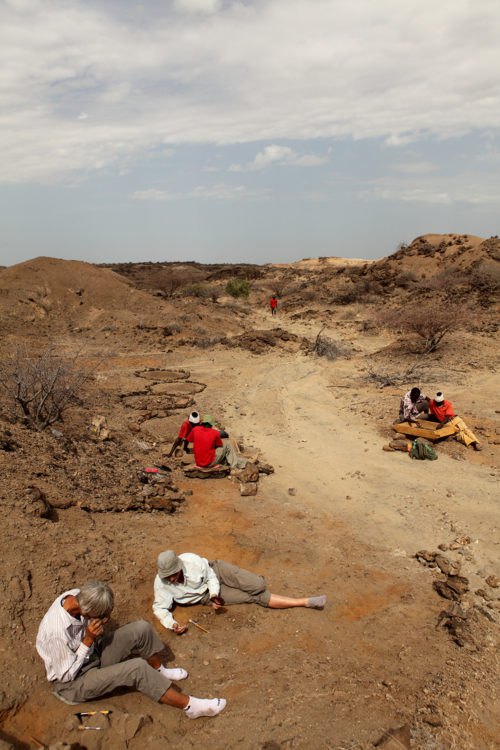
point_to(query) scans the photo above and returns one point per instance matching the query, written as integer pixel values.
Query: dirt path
(336, 679)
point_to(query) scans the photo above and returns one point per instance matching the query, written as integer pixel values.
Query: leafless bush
(429, 320)
(326, 347)
(37, 389)
(207, 342)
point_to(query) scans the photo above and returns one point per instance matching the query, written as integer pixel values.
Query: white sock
(316, 602)
(204, 707)
(173, 674)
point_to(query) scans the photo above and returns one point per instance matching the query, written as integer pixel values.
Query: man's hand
(178, 629)
(94, 630)
(217, 602)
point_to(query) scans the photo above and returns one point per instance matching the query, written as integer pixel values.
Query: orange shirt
(442, 410)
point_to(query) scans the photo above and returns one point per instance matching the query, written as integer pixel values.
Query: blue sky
(248, 130)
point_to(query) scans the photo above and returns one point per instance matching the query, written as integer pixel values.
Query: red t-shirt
(273, 302)
(441, 411)
(185, 429)
(204, 440)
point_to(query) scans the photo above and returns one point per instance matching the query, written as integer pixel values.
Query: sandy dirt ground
(339, 516)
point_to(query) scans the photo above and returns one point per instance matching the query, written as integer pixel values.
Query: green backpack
(422, 450)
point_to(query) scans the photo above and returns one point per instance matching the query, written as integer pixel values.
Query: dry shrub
(429, 320)
(37, 389)
(326, 347)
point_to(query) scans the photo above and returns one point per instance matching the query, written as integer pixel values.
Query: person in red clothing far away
(273, 303)
(442, 411)
(186, 427)
(210, 449)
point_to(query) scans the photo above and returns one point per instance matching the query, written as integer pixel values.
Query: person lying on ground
(413, 403)
(442, 411)
(84, 664)
(211, 450)
(190, 579)
(185, 429)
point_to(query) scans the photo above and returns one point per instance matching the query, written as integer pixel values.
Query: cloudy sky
(245, 130)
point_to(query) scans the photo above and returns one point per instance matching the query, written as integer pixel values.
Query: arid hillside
(405, 652)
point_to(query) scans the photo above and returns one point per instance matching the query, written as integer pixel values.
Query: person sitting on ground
(186, 427)
(442, 411)
(210, 449)
(413, 403)
(84, 664)
(190, 579)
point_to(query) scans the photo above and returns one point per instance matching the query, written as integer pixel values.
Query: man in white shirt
(85, 664)
(190, 579)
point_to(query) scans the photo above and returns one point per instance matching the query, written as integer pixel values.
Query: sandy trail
(325, 444)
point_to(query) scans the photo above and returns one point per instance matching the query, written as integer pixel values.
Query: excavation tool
(92, 713)
(198, 626)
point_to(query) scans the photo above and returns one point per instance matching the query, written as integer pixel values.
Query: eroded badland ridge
(315, 390)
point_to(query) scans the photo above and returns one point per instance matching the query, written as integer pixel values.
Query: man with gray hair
(190, 579)
(84, 664)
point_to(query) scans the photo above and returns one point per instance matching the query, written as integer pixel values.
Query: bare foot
(477, 446)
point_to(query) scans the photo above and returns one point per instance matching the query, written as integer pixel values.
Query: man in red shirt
(186, 427)
(273, 302)
(209, 448)
(442, 412)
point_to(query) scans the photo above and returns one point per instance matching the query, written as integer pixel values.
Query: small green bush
(238, 288)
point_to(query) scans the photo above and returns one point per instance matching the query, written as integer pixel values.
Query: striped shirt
(59, 641)
(198, 579)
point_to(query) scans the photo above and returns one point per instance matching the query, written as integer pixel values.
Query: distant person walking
(273, 303)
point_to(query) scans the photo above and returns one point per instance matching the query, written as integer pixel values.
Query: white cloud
(152, 195)
(415, 167)
(202, 71)
(283, 155)
(467, 188)
(198, 6)
(218, 191)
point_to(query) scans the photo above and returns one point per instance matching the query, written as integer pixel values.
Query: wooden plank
(431, 431)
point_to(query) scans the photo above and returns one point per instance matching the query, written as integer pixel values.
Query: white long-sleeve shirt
(59, 641)
(198, 579)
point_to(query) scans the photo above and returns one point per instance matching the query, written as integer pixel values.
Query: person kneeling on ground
(412, 404)
(190, 579)
(192, 421)
(442, 412)
(209, 448)
(84, 664)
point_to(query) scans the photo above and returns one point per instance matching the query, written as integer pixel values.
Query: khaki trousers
(463, 434)
(227, 454)
(240, 586)
(109, 668)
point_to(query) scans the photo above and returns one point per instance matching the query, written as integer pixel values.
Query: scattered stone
(395, 739)
(453, 588)
(127, 725)
(443, 547)
(388, 448)
(36, 504)
(450, 567)
(423, 556)
(292, 491)
(195, 472)
(248, 489)
(250, 473)
(433, 719)
(488, 595)
(398, 445)
(493, 581)
(265, 468)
